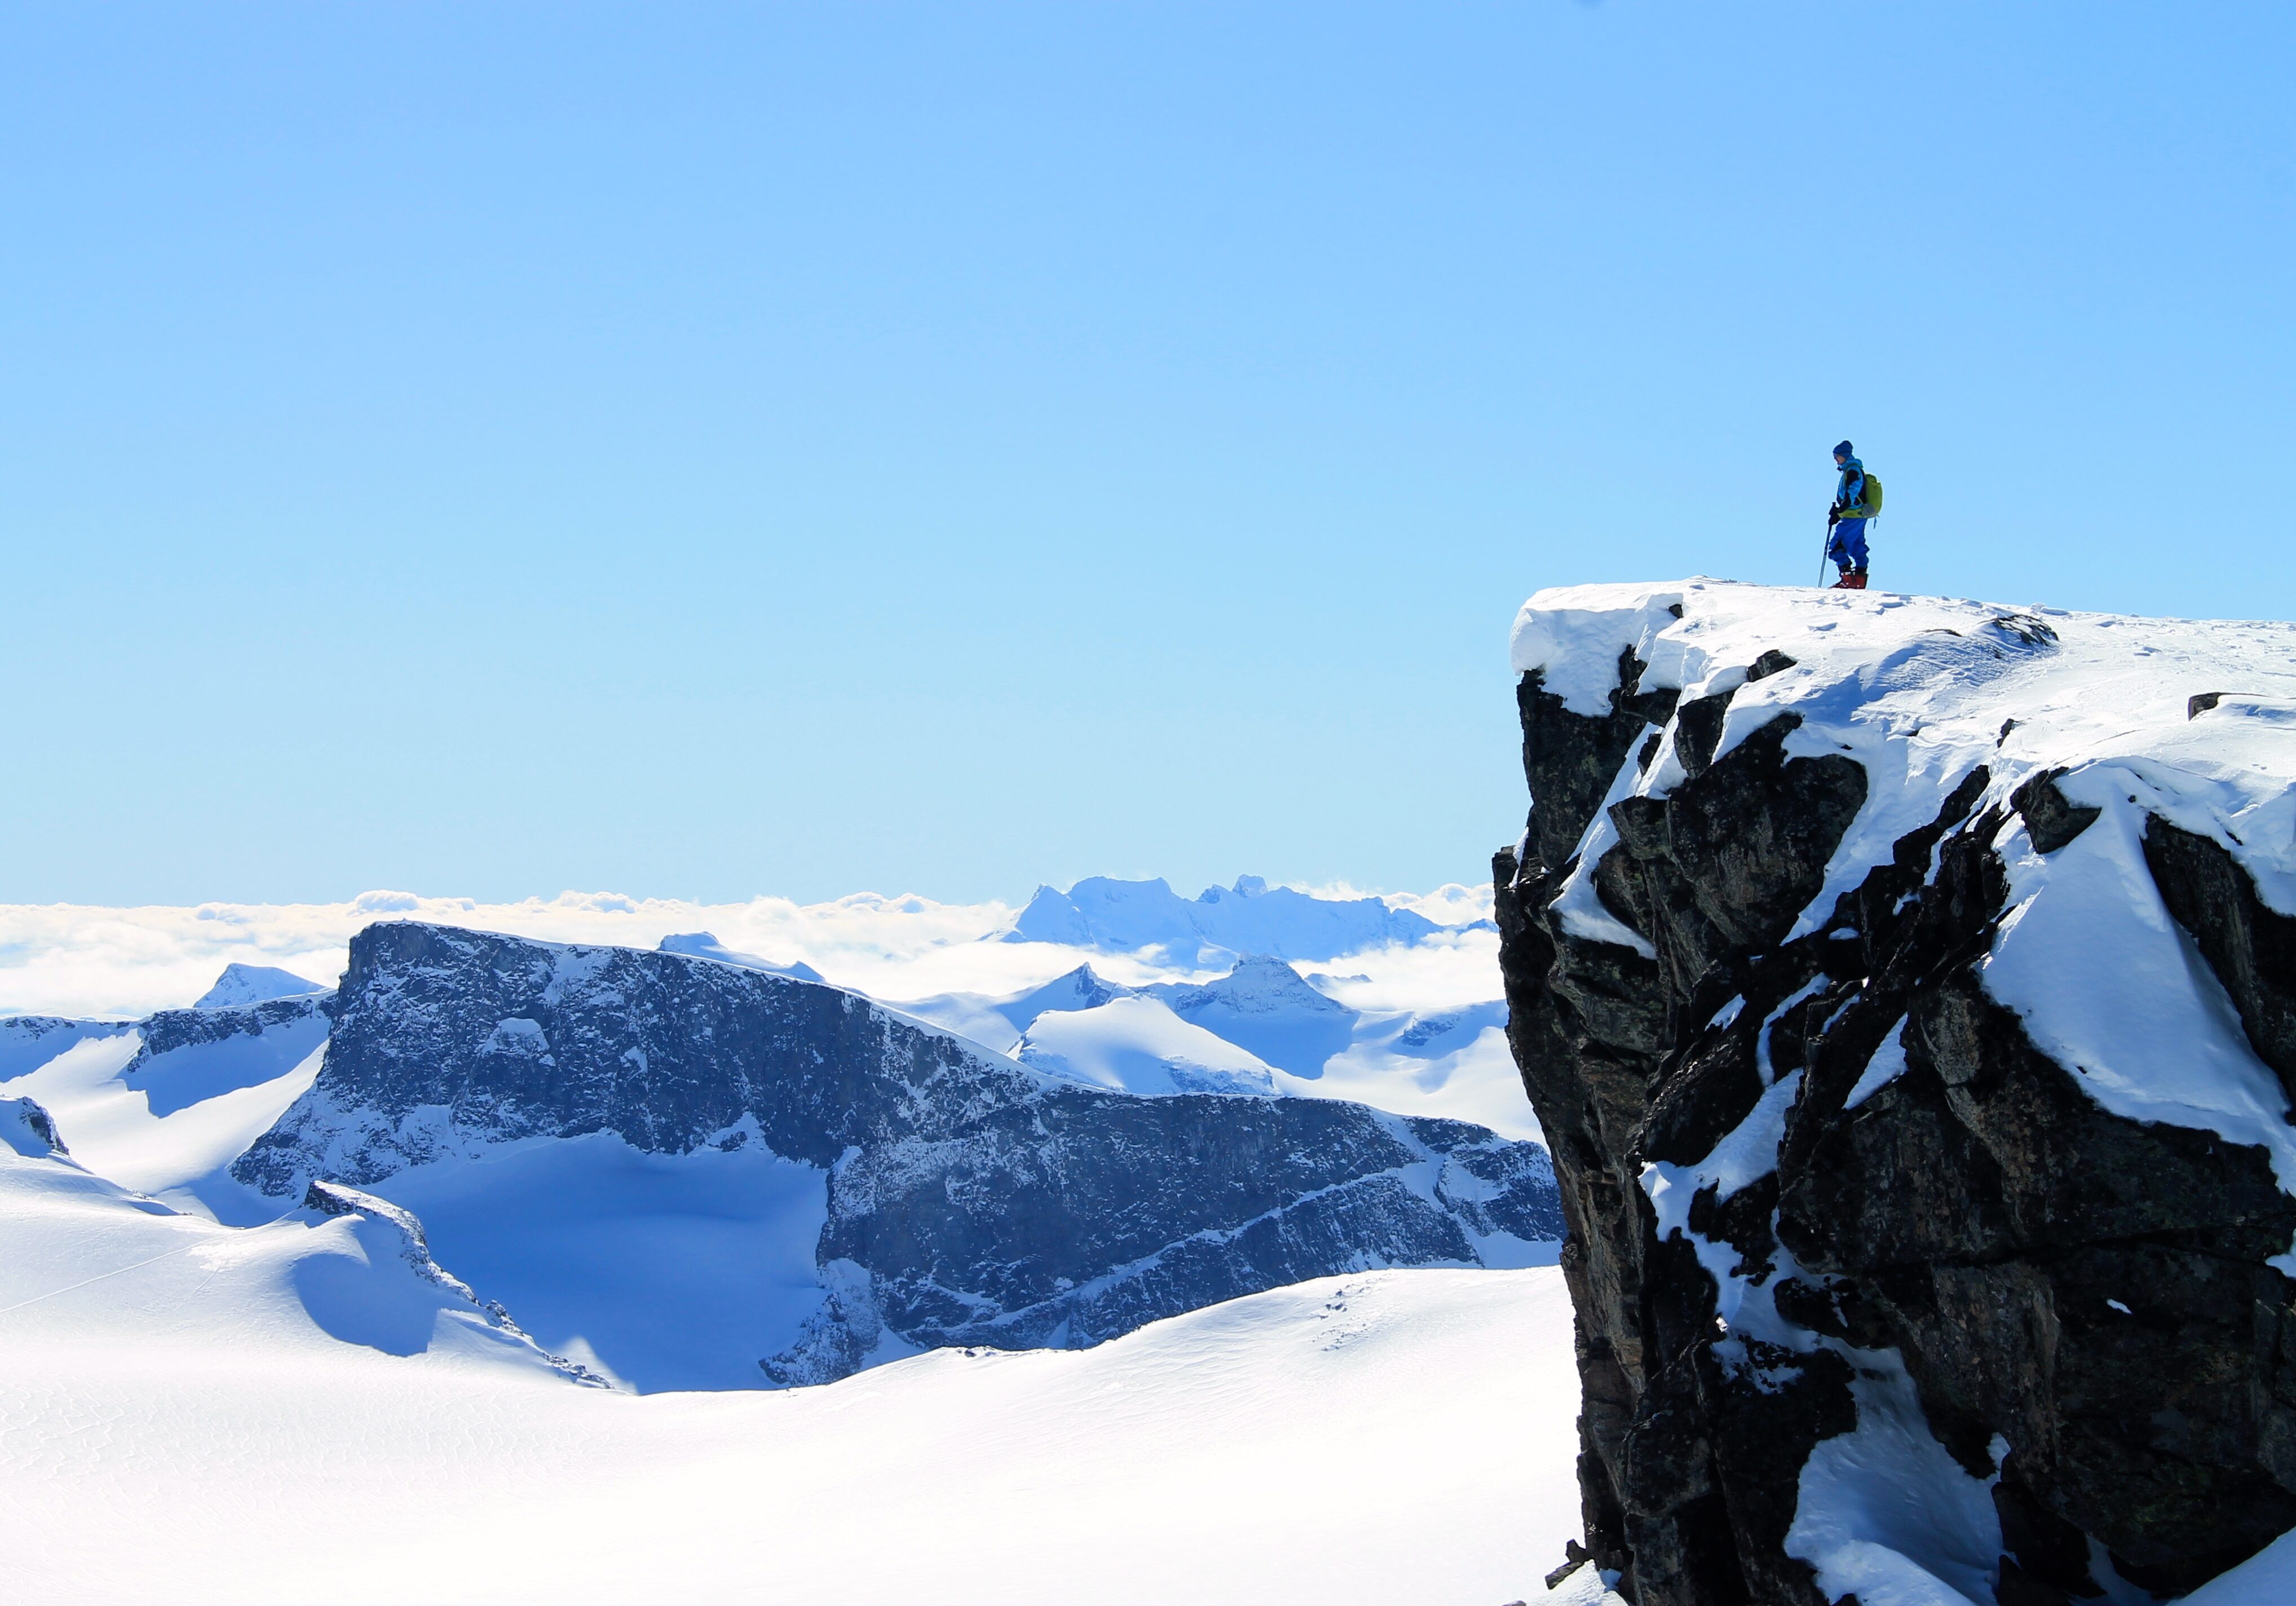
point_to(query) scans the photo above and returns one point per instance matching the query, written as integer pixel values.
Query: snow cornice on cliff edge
(1921, 691)
(1908, 989)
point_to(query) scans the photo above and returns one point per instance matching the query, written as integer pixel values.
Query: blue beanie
(1843, 450)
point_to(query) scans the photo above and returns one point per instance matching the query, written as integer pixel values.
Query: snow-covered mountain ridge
(85, 962)
(1250, 917)
(957, 966)
(957, 1197)
(1905, 986)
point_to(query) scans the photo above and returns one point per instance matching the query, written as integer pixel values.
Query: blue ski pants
(1848, 546)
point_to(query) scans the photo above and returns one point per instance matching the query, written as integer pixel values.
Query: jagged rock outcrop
(971, 1200)
(29, 1041)
(28, 1128)
(1823, 1183)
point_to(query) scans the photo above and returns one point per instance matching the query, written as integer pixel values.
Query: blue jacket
(1852, 490)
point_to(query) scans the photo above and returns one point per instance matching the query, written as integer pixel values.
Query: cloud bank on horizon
(87, 961)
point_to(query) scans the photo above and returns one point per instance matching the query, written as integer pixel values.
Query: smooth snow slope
(195, 1414)
(168, 1123)
(658, 1271)
(1139, 1045)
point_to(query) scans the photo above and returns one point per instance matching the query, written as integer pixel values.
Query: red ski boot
(1852, 579)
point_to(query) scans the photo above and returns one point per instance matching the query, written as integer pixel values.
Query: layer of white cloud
(90, 962)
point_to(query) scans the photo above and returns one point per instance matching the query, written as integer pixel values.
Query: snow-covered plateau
(311, 1410)
(1907, 990)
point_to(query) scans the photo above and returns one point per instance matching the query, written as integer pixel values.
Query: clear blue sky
(711, 450)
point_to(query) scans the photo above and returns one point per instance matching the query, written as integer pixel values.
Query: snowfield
(295, 1412)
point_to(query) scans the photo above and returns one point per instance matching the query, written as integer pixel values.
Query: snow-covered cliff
(1907, 990)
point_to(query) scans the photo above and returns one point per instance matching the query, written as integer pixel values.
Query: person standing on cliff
(1845, 520)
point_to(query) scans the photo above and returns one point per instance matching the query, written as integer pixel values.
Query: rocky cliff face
(970, 1200)
(1907, 991)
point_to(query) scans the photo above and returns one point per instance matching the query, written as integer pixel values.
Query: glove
(1832, 517)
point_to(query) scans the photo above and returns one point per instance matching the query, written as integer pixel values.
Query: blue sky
(703, 451)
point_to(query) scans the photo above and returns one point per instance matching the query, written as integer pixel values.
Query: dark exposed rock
(2252, 948)
(1698, 730)
(1590, 1024)
(171, 1029)
(2090, 1290)
(1574, 1557)
(2050, 1553)
(1750, 840)
(1570, 759)
(27, 1127)
(1708, 1095)
(2052, 820)
(971, 1200)
(1721, 867)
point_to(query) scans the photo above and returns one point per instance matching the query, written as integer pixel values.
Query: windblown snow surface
(1921, 691)
(311, 1409)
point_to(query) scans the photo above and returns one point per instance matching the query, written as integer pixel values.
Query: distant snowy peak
(1250, 917)
(1261, 985)
(1265, 1006)
(1082, 988)
(244, 984)
(704, 945)
(999, 1022)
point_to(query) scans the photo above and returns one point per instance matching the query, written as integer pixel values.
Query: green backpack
(1869, 503)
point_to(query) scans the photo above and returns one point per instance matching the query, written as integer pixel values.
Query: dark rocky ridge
(1974, 1214)
(29, 1041)
(970, 1200)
